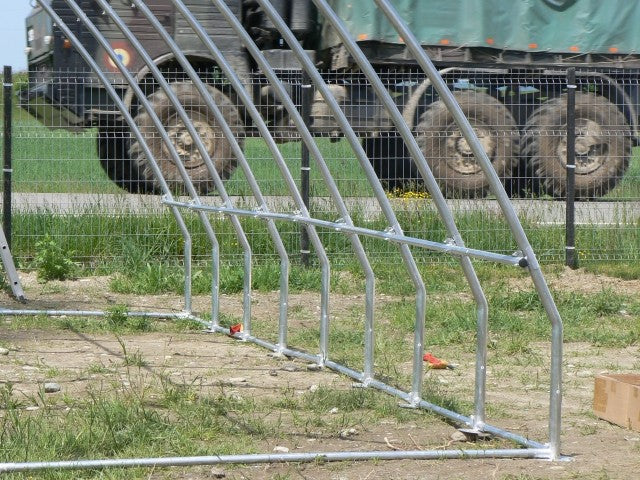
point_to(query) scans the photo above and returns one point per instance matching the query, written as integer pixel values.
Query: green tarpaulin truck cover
(562, 26)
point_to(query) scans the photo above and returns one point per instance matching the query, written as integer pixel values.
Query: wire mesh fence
(80, 176)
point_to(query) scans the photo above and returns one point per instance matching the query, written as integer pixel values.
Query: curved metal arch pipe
(321, 164)
(350, 135)
(555, 403)
(482, 311)
(253, 184)
(138, 134)
(155, 72)
(158, 124)
(273, 148)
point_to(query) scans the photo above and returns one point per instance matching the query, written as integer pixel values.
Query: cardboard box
(616, 398)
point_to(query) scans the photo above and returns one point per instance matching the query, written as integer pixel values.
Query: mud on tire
(603, 146)
(208, 129)
(448, 153)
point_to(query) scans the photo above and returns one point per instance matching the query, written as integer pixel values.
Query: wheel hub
(186, 146)
(460, 157)
(591, 147)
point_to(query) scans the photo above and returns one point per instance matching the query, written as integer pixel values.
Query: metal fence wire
(76, 167)
(406, 163)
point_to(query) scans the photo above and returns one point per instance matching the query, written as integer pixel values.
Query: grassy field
(96, 239)
(134, 405)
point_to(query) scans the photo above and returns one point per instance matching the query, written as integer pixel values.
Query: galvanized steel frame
(454, 246)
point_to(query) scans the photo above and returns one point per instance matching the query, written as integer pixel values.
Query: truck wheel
(391, 162)
(450, 156)
(603, 145)
(208, 129)
(115, 161)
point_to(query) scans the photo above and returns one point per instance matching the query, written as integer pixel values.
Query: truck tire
(208, 129)
(448, 153)
(603, 146)
(113, 152)
(391, 162)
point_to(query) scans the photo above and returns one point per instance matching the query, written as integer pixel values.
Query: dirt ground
(594, 449)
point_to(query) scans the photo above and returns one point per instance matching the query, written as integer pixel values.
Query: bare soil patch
(517, 387)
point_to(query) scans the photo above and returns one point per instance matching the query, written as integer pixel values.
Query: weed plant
(52, 262)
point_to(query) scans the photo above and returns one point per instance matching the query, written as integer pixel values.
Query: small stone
(314, 367)
(314, 388)
(29, 368)
(290, 367)
(238, 380)
(273, 373)
(217, 473)
(235, 397)
(32, 408)
(473, 435)
(334, 410)
(4, 351)
(458, 436)
(51, 387)
(348, 432)
(280, 449)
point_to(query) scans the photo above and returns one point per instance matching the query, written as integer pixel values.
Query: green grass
(157, 416)
(94, 238)
(129, 424)
(60, 161)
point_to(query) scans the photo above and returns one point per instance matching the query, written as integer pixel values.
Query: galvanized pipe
(412, 268)
(134, 130)
(308, 140)
(534, 450)
(155, 72)
(437, 196)
(253, 184)
(386, 235)
(90, 313)
(278, 458)
(555, 404)
(247, 101)
(456, 417)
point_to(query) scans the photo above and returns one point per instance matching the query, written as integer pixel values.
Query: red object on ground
(435, 362)
(233, 329)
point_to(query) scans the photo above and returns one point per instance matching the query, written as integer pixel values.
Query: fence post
(7, 170)
(305, 169)
(571, 259)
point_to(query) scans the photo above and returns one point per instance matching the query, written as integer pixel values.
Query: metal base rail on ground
(525, 258)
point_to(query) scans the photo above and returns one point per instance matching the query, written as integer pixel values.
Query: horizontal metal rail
(388, 235)
(279, 458)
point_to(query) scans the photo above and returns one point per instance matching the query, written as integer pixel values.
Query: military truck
(505, 61)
